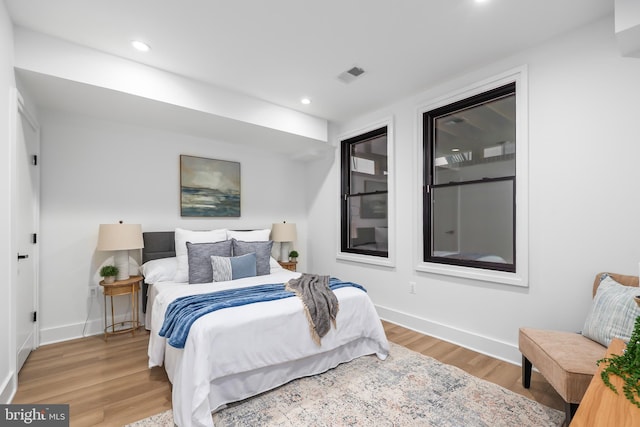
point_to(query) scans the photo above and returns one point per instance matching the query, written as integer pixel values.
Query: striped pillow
(231, 268)
(613, 312)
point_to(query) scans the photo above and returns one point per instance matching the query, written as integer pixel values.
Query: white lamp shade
(283, 232)
(120, 238)
(115, 237)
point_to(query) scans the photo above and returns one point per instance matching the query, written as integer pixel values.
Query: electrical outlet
(412, 287)
(93, 291)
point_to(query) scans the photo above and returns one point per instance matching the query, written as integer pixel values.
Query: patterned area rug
(408, 389)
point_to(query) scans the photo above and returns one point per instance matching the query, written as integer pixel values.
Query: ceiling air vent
(351, 74)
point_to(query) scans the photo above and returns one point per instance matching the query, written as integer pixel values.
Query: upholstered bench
(567, 360)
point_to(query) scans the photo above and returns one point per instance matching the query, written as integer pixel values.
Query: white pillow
(183, 236)
(249, 236)
(159, 270)
(274, 265)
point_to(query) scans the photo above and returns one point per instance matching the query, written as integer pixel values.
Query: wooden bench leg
(569, 411)
(526, 372)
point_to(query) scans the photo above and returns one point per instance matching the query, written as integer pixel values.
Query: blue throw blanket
(183, 311)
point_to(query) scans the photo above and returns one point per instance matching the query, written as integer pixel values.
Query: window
(364, 188)
(469, 211)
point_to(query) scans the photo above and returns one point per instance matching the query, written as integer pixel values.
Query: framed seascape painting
(209, 187)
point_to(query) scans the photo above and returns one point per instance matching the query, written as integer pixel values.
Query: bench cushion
(567, 360)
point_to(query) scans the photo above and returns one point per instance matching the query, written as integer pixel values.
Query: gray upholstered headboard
(158, 244)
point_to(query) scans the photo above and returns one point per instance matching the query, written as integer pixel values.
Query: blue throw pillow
(232, 268)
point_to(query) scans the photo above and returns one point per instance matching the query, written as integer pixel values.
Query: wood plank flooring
(109, 383)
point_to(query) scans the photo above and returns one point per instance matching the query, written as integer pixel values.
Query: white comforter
(238, 352)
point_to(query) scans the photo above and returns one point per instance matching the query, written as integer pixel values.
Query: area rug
(407, 389)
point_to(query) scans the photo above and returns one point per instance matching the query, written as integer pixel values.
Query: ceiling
(282, 50)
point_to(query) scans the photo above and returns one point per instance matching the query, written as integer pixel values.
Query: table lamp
(283, 232)
(120, 238)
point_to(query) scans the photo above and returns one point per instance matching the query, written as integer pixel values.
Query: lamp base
(284, 251)
(121, 260)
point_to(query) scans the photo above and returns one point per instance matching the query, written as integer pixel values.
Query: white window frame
(389, 261)
(521, 276)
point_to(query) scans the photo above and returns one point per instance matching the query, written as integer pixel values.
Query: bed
(239, 352)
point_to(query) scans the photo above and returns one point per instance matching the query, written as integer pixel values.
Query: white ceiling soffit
(627, 18)
(282, 50)
(106, 104)
(59, 74)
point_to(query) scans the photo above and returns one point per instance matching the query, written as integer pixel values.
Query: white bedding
(239, 352)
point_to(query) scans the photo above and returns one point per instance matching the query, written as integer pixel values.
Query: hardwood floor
(109, 384)
(105, 383)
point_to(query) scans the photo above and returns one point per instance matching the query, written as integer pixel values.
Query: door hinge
(34, 160)
(34, 238)
(34, 316)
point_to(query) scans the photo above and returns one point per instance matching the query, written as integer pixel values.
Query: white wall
(96, 171)
(7, 82)
(583, 199)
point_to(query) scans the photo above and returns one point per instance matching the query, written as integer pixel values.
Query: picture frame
(209, 187)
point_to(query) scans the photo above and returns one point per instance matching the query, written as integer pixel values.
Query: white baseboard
(78, 330)
(8, 388)
(507, 352)
(70, 332)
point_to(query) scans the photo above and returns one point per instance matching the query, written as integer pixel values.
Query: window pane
(470, 173)
(474, 222)
(369, 165)
(476, 142)
(368, 222)
(365, 194)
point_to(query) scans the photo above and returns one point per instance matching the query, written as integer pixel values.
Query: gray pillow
(199, 256)
(262, 251)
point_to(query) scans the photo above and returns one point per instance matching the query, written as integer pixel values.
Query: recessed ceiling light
(305, 101)
(141, 46)
(455, 150)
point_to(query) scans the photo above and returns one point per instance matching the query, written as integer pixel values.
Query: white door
(26, 219)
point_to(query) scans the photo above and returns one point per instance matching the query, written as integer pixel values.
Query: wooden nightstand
(289, 265)
(600, 406)
(130, 286)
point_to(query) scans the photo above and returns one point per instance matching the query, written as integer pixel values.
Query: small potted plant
(293, 256)
(109, 272)
(626, 366)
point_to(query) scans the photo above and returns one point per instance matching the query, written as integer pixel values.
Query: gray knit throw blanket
(319, 301)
